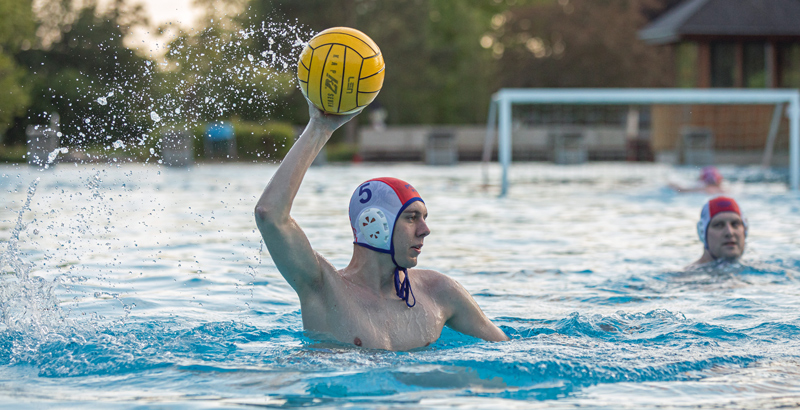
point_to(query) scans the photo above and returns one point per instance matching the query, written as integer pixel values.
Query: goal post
(502, 102)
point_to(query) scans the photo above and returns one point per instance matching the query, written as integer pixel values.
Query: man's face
(725, 236)
(409, 231)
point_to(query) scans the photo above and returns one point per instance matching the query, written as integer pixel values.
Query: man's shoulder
(436, 283)
(703, 262)
(429, 277)
(445, 291)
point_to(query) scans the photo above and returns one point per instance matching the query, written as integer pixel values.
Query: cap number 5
(364, 190)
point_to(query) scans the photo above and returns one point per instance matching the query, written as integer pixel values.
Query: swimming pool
(139, 286)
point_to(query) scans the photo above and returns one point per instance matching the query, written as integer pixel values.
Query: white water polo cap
(374, 207)
(711, 209)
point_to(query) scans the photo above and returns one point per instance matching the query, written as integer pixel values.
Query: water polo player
(710, 182)
(722, 229)
(378, 300)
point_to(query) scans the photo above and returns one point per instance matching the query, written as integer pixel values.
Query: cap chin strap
(402, 289)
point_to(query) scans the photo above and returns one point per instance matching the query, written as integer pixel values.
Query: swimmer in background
(370, 302)
(710, 182)
(722, 230)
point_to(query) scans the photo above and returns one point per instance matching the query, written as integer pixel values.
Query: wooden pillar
(738, 71)
(771, 64)
(703, 64)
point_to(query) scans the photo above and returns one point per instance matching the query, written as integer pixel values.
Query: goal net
(674, 126)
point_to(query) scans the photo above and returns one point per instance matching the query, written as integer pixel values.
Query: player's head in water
(722, 229)
(387, 215)
(710, 176)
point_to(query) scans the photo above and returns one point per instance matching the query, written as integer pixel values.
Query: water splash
(250, 68)
(27, 302)
(51, 157)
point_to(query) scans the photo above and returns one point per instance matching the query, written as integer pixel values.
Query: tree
(16, 33)
(83, 71)
(577, 43)
(224, 71)
(436, 70)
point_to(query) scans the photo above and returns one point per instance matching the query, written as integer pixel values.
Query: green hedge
(341, 152)
(263, 142)
(12, 154)
(254, 141)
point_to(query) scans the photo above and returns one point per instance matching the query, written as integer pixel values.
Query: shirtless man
(722, 229)
(370, 302)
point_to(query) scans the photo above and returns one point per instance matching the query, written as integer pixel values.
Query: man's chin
(731, 253)
(410, 263)
(730, 257)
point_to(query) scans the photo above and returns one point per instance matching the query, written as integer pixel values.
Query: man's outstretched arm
(287, 243)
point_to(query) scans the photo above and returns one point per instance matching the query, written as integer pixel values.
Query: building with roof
(732, 43)
(728, 44)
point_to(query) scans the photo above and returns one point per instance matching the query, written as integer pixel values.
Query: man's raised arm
(287, 243)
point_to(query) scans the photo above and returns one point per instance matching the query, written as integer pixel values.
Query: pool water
(138, 286)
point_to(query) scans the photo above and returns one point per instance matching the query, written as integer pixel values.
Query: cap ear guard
(374, 227)
(701, 232)
(702, 224)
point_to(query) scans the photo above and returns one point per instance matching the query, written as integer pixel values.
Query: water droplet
(102, 101)
(118, 144)
(178, 110)
(154, 116)
(250, 57)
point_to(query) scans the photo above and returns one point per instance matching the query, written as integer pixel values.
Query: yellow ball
(340, 70)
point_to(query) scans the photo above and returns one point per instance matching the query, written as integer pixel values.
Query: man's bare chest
(376, 322)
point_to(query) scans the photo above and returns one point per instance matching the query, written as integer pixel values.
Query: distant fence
(408, 143)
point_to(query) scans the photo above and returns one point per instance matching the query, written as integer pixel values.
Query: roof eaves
(664, 30)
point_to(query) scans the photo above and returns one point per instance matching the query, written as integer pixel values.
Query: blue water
(136, 286)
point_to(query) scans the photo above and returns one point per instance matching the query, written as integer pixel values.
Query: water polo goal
(743, 121)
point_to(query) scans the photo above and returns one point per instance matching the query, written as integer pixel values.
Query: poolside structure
(731, 43)
(737, 71)
(751, 44)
